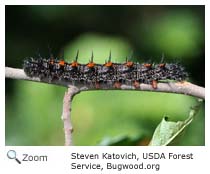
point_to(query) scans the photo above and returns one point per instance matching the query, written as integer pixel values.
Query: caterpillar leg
(136, 84)
(117, 85)
(97, 85)
(154, 84)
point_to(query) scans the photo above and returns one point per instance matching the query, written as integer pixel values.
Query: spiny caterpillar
(114, 74)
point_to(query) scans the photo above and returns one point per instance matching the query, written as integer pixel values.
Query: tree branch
(170, 87)
(66, 115)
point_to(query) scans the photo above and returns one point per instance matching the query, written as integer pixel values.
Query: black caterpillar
(110, 73)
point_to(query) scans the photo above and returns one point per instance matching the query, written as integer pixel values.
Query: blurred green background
(33, 110)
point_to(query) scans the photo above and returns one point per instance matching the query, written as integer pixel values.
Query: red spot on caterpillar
(61, 63)
(154, 84)
(74, 64)
(162, 65)
(117, 85)
(148, 65)
(129, 64)
(90, 65)
(108, 64)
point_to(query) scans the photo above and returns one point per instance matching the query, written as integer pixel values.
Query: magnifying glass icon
(11, 154)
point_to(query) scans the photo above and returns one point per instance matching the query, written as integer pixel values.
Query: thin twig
(66, 115)
(171, 87)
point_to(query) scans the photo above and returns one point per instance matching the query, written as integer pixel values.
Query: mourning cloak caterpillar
(111, 73)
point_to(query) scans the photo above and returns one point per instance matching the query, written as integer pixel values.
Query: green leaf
(167, 131)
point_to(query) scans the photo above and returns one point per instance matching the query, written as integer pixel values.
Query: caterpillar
(111, 73)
